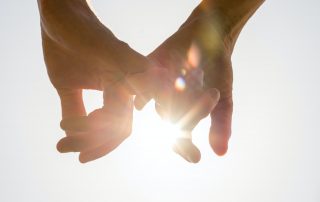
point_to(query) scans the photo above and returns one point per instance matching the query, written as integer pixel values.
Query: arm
(233, 14)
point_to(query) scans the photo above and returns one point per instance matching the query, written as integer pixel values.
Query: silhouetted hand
(81, 53)
(201, 44)
(206, 41)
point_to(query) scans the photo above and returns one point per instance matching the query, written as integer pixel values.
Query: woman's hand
(81, 53)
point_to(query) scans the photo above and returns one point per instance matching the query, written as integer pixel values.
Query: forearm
(234, 13)
(56, 8)
(62, 19)
(229, 15)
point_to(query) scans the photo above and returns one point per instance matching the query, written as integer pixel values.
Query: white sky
(274, 151)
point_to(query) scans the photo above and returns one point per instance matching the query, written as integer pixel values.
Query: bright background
(274, 151)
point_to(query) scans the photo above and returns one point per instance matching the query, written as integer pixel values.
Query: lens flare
(183, 71)
(180, 84)
(194, 56)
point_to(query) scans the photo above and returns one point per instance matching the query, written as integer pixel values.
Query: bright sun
(152, 136)
(152, 130)
(160, 138)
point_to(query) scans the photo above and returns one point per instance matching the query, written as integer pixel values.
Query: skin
(213, 28)
(81, 53)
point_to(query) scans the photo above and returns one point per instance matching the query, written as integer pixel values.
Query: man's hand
(206, 41)
(201, 42)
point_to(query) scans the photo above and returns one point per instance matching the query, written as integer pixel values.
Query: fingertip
(187, 150)
(70, 144)
(63, 124)
(83, 160)
(75, 124)
(60, 146)
(138, 107)
(220, 149)
(140, 102)
(88, 156)
(221, 128)
(219, 144)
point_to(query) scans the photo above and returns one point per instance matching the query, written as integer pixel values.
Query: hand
(206, 41)
(81, 53)
(102, 130)
(201, 43)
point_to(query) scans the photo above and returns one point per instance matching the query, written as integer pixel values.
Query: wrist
(49, 5)
(229, 16)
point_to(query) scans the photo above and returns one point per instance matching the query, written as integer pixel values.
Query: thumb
(220, 130)
(71, 104)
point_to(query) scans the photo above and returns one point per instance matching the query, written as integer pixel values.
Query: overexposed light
(155, 135)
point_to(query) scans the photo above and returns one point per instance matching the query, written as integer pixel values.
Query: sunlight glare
(156, 136)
